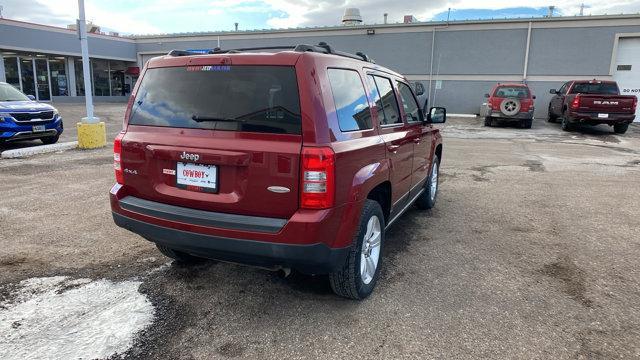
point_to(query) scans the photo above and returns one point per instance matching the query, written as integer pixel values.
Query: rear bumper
(311, 241)
(593, 119)
(310, 259)
(520, 116)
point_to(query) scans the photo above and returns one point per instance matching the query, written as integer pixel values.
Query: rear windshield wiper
(202, 118)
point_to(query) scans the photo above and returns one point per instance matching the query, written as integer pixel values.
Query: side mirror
(437, 115)
(487, 95)
(553, 91)
(419, 89)
(31, 97)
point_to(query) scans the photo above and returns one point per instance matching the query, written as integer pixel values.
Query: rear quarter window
(350, 99)
(232, 98)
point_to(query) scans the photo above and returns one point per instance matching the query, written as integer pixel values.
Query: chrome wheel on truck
(359, 274)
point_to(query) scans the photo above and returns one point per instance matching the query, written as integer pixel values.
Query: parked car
(509, 102)
(296, 159)
(592, 102)
(21, 117)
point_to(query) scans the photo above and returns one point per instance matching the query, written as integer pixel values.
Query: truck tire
(510, 107)
(427, 199)
(566, 125)
(551, 118)
(179, 256)
(358, 276)
(620, 128)
(487, 121)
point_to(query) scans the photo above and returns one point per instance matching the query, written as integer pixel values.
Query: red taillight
(576, 102)
(117, 153)
(635, 104)
(317, 190)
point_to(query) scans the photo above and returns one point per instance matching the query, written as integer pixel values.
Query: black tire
(551, 118)
(347, 281)
(427, 200)
(50, 140)
(487, 121)
(620, 128)
(179, 256)
(527, 123)
(566, 125)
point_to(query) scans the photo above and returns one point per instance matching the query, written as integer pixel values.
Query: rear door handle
(393, 148)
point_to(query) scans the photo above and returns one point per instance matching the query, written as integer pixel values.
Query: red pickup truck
(592, 102)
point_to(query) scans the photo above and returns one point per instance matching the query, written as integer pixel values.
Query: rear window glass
(233, 98)
(350, 99)
(519, 92)
(595, 88)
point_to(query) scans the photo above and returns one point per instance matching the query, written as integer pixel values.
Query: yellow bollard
(91, 136)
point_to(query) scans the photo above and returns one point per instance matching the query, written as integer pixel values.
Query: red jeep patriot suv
(297, 159)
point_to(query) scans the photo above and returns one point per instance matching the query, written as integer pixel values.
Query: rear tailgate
(622, 104)
(216, 140)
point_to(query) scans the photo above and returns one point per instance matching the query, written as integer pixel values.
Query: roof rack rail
(322, 47)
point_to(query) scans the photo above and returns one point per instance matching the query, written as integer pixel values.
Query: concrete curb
(34, 150)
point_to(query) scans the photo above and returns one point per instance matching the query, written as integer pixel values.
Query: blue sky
(173, 16)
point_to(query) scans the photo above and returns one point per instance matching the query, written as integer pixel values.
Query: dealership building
(457, 61)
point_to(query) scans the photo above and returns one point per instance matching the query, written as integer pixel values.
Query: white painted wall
(629, 80)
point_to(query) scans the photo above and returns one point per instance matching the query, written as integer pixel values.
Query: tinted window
(352, 107)
(519, 92)
(241, 98)
(374, 96)
(563, 89)
(409, 103)
(595, 88)
(388, 100)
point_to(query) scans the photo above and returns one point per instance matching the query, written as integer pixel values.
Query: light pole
(91, 131)
(86, 73)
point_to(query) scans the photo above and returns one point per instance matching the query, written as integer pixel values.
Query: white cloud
(140, 17)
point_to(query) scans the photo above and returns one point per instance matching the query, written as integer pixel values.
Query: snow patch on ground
(61, 318)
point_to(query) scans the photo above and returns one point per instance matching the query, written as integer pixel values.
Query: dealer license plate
(38, 128)
(197, 177)
(603, 116)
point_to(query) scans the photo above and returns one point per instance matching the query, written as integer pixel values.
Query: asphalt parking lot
(532, 251)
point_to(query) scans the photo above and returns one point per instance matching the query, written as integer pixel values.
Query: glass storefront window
(11, 71)
(79, 77)
(118, 69)
(26, 73)
(59, 81)
(100, 77)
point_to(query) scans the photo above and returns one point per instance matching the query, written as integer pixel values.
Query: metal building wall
(468, 57)
(18, 36)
